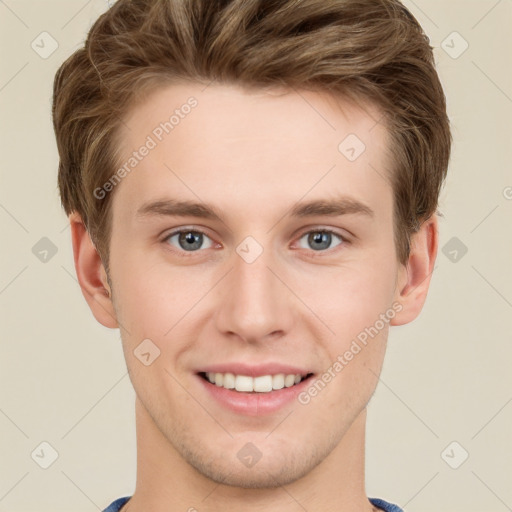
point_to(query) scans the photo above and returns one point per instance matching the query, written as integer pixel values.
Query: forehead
(233, 113)
(225, 141)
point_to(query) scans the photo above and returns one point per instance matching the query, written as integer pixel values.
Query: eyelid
(323, 229)
(181, 229)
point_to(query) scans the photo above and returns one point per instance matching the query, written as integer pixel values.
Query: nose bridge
(253, 303)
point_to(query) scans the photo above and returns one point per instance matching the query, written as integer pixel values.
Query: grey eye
(320, 240)
(189, 240)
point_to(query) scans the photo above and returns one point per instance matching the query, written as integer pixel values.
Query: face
(282, 266)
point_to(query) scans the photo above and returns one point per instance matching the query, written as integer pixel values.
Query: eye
(321, 239)
(189, 240)
(192, 240)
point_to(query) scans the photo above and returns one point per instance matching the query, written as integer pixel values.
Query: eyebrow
(328, 207)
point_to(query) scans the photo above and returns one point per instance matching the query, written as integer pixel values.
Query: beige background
(446, 377)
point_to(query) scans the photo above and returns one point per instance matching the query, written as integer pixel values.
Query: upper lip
(254, 370)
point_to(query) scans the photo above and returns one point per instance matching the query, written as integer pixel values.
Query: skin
(253, 155)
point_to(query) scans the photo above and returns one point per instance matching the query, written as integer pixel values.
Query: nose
(254, 304)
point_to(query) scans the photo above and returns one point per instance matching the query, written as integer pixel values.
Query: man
(252, 190)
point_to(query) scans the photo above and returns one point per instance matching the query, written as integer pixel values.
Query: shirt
(116, 505)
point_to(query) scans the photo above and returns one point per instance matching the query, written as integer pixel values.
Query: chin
(274, 469)
(261, 477)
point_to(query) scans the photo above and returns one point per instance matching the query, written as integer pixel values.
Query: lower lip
(254, 404)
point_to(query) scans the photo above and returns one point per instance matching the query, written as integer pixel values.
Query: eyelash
(315, 254)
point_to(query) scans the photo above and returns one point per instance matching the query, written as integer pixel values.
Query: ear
(91, 274)
(413, 278)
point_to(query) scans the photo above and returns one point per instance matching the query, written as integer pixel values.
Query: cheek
(158, 299)
(349, 299)
(148, 299)
(358, 308)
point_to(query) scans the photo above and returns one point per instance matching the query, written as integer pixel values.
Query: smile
(248, 384)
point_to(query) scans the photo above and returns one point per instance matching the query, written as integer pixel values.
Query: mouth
(246, 384)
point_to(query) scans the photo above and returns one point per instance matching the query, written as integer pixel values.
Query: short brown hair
(373, 50)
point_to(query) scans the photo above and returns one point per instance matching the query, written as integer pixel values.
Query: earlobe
(91, 274)
(414, 279)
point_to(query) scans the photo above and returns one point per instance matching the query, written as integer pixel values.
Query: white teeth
(278, 381)
(229, 381)
(244, 383)
(289, 380)
(261, 384)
